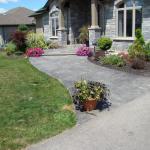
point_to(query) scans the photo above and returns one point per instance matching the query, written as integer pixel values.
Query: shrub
(113, 60)
(147, 51)
(138, 63)
(104, 43)
(53, 45)
(10, 48)
(23, 28)
(36, 40)
(139, 37)
(19, 38)
(84, 35)
(34, 52)
(136, 50)
(84, 51)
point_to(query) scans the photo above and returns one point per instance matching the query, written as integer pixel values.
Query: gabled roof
(16, 16)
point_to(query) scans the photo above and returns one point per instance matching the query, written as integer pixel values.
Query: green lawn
(31, 105)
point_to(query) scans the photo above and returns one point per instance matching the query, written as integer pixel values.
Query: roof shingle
(16, 16)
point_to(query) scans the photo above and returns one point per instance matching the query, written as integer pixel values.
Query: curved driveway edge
(124, 87)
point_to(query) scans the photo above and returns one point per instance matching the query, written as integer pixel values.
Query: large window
(129, 18)
(54, 23)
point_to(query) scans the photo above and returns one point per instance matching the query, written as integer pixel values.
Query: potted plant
(103, 44)
(88, 94)
(84, 35)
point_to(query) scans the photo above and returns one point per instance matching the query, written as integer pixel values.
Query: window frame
(56, 17)
(125, 9)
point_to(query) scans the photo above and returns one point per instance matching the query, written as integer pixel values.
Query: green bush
(104, 43)
(147, 51)
(23, 28)
(10, 48)
(84, 35)
(139, 37)
(136, 50)
(53, 45)
(36, 40)
(113, 60)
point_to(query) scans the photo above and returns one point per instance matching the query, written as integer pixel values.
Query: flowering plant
(34, 52)
(84, 51)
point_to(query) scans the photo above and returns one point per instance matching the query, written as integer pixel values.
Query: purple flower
(84, 51)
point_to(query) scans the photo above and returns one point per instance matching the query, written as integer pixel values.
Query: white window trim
(134, 8)
(51, 28)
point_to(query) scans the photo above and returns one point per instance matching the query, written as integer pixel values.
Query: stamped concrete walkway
(110, 130)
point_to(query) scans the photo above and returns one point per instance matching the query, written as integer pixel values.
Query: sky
(31, 4)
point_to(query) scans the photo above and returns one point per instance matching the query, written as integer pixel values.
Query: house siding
(1, 36)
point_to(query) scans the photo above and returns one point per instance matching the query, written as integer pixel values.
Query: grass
(31, 105)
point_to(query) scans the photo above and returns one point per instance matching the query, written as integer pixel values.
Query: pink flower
(83, 51)
(34, 52)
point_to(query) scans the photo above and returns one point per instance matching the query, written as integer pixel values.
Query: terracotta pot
(89, 105)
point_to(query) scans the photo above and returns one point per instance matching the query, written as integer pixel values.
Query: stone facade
(77, 13)
(146, 19)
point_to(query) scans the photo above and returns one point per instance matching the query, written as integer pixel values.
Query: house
(10, 20)
(61, 20)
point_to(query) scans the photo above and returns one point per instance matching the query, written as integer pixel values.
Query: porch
(75, 14)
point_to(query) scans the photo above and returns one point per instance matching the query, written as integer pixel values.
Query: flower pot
(89, 105)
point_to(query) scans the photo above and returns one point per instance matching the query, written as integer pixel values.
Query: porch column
(94, 30)
(62, 31)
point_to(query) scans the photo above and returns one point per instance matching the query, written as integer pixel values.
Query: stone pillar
(94, 30)
(62, 31)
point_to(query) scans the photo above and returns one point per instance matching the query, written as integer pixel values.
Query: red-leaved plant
(34, 52)
(125, 56)
(84, 51)
(19, 38)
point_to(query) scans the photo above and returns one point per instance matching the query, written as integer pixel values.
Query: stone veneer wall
(146, 19)
(110, 20)
(110, 24)
(110, 27)
(46, 27)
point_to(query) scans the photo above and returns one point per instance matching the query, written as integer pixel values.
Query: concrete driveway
(124, 87)
(124, 127)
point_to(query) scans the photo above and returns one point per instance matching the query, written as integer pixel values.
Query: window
(54, 23)
(129, 18)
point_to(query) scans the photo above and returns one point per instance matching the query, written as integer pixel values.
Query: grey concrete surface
(124, 87)
(125, 128)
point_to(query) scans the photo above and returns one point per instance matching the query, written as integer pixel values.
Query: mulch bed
(142, 72)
